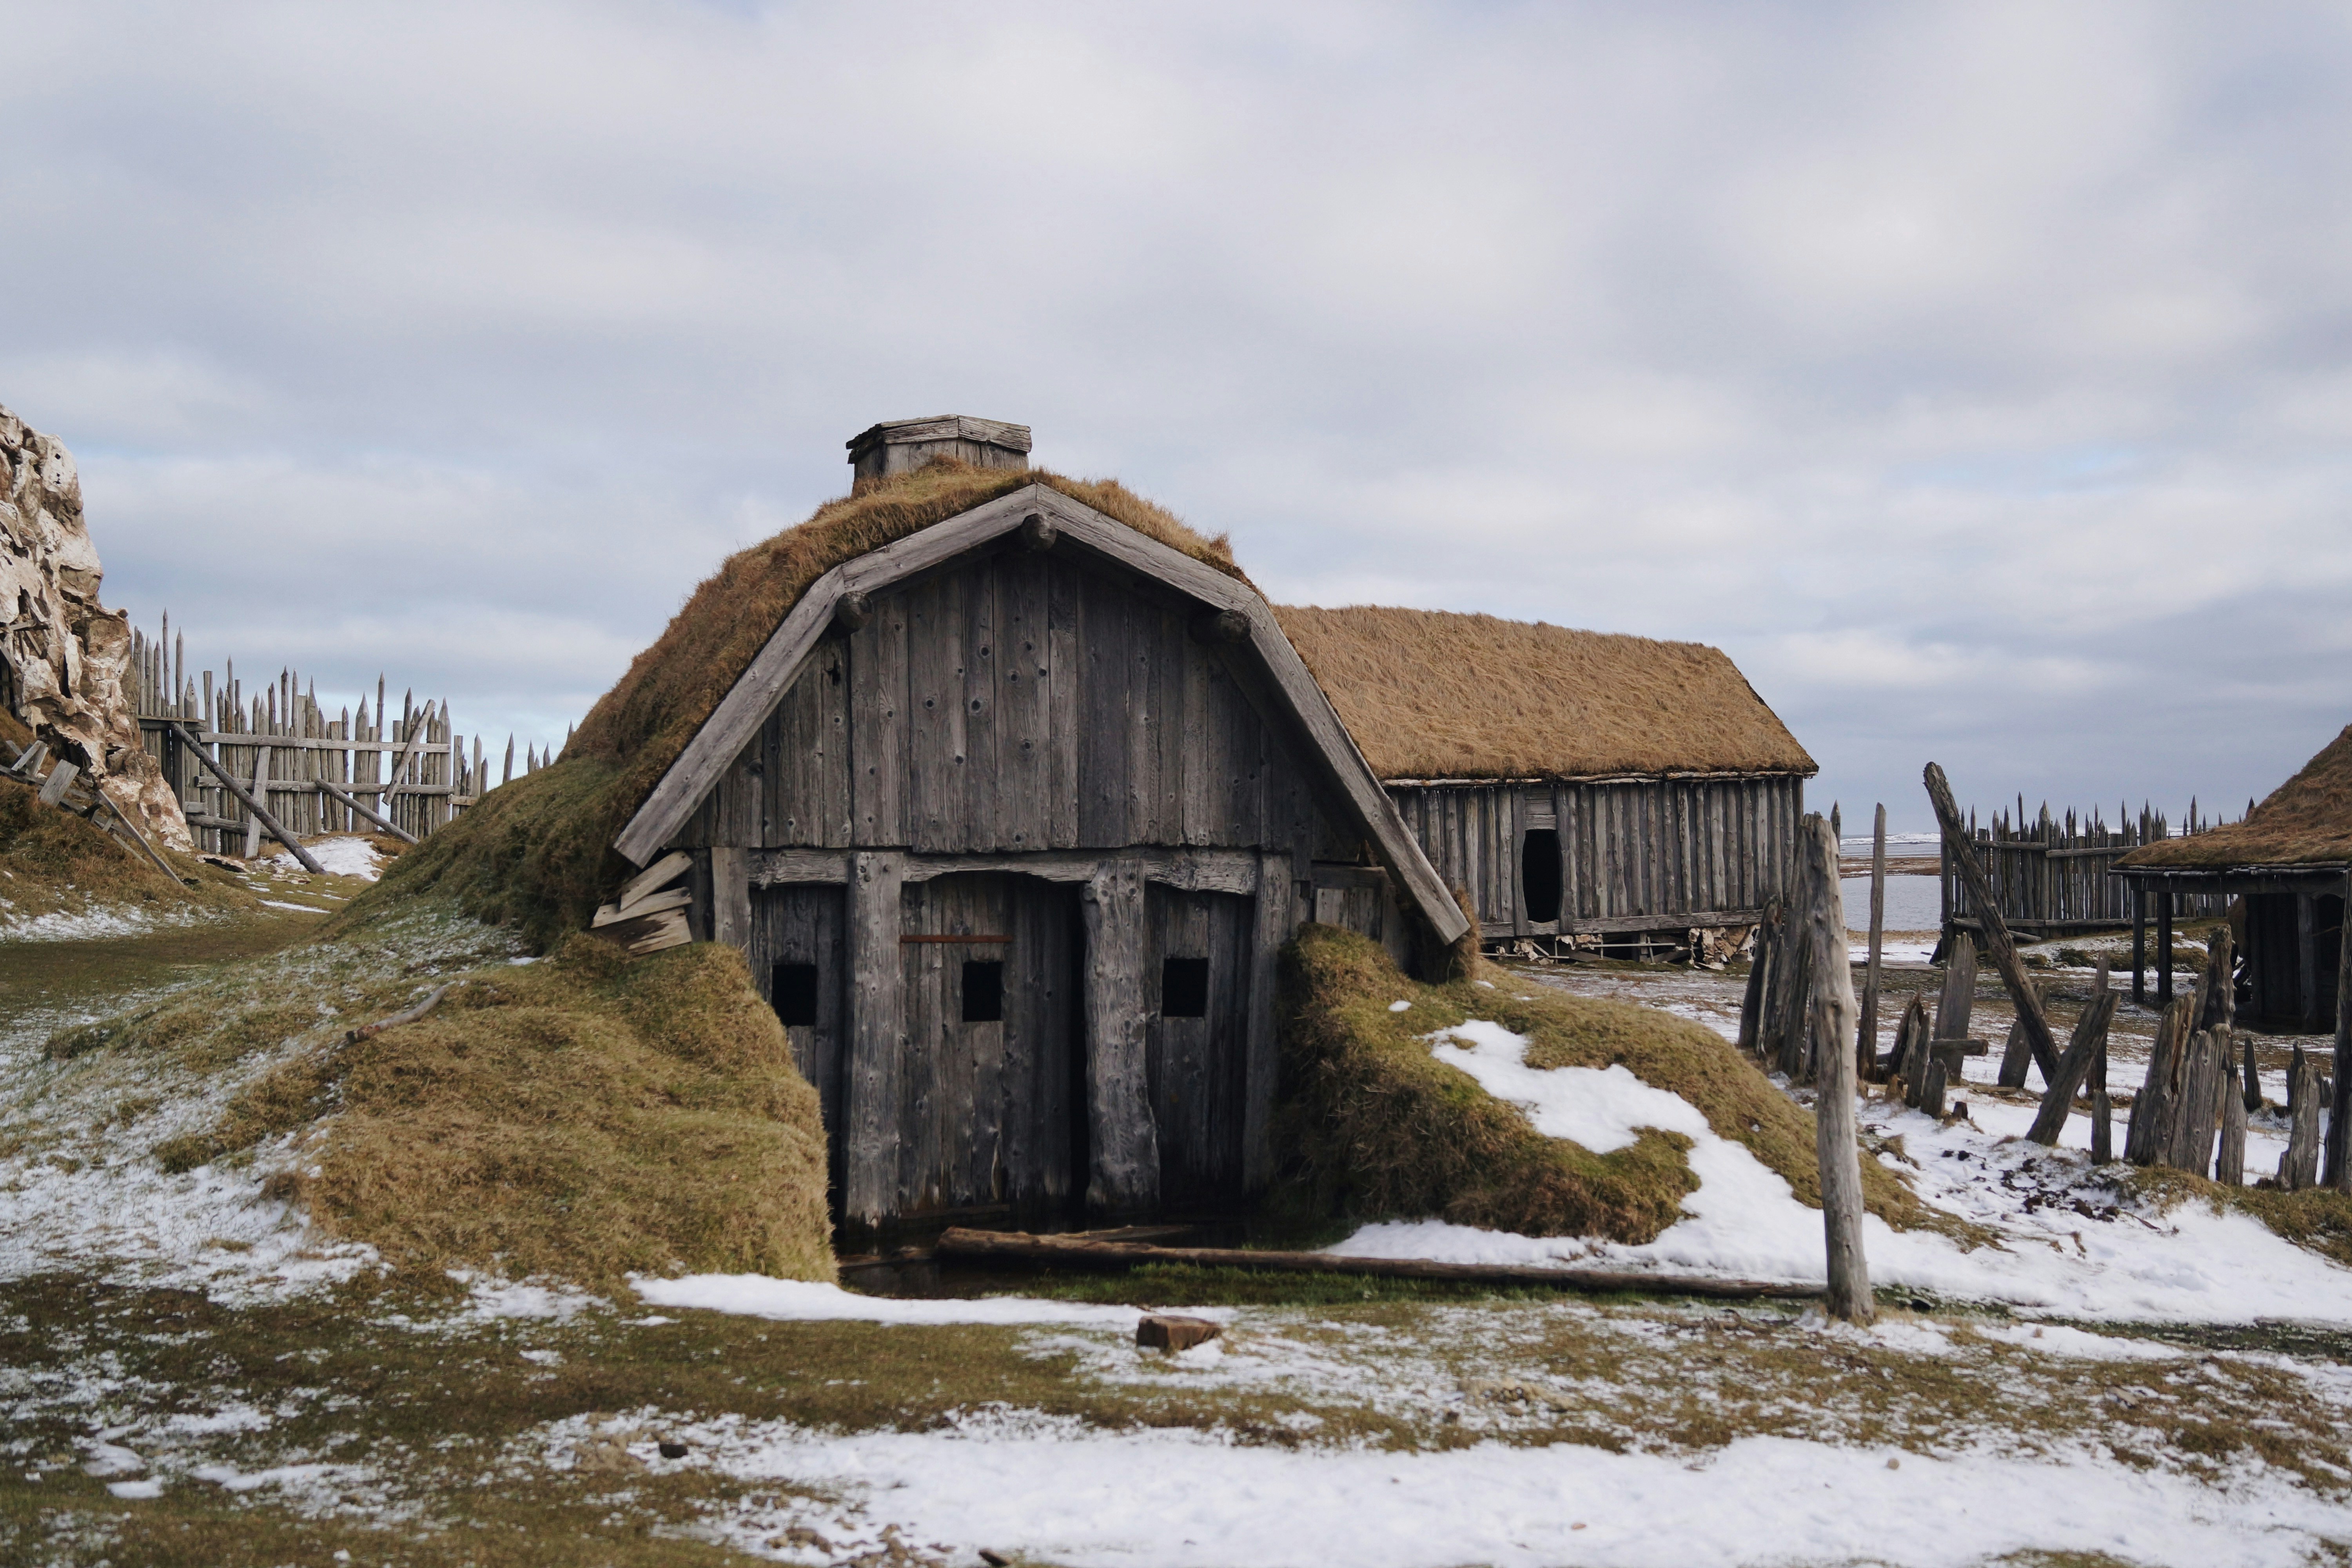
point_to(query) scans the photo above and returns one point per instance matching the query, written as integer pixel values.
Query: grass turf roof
(537, 853)
(2307, 821)
(1431, 694)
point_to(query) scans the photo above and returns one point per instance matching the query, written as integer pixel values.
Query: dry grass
(541, 858)
(1430, 694)
(2306, 821)
(585, 1116)
(54, 860)
(1376, 1127)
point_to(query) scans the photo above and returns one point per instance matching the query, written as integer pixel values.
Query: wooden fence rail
(2053, 877)
(413, 768)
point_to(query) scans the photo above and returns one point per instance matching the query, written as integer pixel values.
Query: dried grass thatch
(1429, 694)
(537, 853)
(1373, 1126)
(2307, 821)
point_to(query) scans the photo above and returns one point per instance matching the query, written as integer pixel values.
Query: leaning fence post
(1831, 996)
(1865, 1043)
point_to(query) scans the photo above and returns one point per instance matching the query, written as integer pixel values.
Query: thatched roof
(2307, 821)
(1429, 694)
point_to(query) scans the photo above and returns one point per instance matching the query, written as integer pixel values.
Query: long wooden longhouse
(2289, 860)
(1585, 788)
(1011, 815)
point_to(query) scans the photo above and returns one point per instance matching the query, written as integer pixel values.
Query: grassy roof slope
(1376, 1127)
(2307, 821)
(1430, 694)
(537, 853)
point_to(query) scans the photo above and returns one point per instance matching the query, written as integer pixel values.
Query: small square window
(1184, 988)
(795, 989)
(983, 991)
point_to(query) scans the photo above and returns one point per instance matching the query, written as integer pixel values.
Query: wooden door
(800, 963)
(1196, 977)
(990, 1121)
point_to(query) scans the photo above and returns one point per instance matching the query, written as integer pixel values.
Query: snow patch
(2068, 1244)
(795, 1300)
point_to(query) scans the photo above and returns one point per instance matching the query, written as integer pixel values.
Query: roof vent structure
(902, 445)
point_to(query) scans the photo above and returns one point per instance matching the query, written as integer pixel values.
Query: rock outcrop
(63, 654)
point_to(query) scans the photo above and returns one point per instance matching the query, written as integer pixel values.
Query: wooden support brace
(1996, 931)
(309, 861)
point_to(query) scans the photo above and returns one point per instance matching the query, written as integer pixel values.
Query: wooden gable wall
(1634, 853)
(1015, 703)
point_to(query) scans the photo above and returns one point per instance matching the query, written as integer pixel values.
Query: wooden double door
(995, 1101)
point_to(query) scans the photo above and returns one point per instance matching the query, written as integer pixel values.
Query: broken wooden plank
(2057, 1102)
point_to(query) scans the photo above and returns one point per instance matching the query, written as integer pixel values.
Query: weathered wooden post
(1963, 857)
(1865, 1043)
(2339, 1117)
(1834, 1109)
(2299, 1167)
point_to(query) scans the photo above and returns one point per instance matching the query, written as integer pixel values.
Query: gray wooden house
(1585, 789)
(2288, 860)
(1011, 816)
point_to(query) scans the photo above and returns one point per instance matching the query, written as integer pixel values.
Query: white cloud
(1972, 373)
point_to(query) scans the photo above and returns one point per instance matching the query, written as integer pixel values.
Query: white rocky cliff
(63, 654)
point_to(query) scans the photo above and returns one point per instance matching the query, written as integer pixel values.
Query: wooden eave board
(773, 671)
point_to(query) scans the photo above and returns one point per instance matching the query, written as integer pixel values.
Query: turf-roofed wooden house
(1585, 788)
(1011, 814)
(2289, 860)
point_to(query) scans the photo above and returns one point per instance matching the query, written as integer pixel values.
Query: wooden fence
(279, 742)
(2054, 877)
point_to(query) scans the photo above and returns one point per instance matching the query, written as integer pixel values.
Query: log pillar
(2164, 942)
(872, 1080)
(1125, 1178)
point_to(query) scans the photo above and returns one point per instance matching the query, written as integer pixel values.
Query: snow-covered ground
(80, 1187)
(2071, 1243)
(338, 857)
(1055, 1492)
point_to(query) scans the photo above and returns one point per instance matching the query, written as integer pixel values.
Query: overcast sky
(1976, 376)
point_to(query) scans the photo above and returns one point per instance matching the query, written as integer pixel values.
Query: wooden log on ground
(1867, 1032)
(1996, 933)
(308, 862)
(2089, 1039)
(1019, 1247)
(1835, 1143)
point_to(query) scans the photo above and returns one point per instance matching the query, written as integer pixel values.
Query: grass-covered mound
(52, 861)
(1376, 1127)
(536, 854)
(585, 1116)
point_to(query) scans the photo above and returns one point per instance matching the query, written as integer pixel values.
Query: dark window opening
(1539, 873)
(794, 989)
(983, 991)
(1184, 988)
